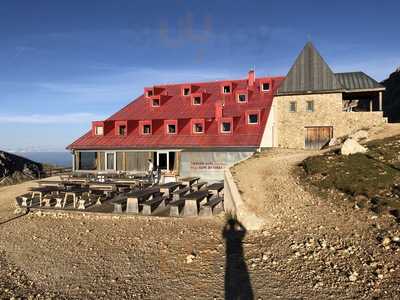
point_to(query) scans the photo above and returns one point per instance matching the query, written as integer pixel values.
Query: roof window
(226, 125)
(226, 89)
(99, 130)
(155, 102)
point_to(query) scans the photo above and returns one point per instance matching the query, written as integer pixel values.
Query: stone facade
(290, 127)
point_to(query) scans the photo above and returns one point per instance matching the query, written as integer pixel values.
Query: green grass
(372, 174)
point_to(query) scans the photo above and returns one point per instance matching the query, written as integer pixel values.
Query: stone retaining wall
(234, 204)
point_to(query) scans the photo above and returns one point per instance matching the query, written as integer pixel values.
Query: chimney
(251, 78)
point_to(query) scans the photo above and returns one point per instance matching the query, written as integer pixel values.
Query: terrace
(117, 194)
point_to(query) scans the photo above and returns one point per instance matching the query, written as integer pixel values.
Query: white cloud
(50, 118)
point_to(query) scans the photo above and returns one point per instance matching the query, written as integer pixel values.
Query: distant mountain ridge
(391, 100)
(15, 169)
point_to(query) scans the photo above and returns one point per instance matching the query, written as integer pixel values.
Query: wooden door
(318, 136)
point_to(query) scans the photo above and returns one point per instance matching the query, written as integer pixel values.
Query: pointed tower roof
(309, 74)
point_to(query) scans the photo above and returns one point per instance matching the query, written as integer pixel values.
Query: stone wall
(290, 126)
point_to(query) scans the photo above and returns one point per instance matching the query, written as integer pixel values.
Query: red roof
(175, 106)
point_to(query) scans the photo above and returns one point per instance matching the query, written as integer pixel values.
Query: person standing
(150, 170)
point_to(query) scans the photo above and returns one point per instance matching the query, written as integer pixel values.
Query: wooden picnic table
(188, 181)
(134, 198)
(42, 191)
(193, 202)
(168, 188)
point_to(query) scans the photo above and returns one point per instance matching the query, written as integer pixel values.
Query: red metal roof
(175, 106)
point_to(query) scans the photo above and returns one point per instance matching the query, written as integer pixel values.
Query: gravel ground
(310, 248)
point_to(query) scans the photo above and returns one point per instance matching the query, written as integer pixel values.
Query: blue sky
(65, 63)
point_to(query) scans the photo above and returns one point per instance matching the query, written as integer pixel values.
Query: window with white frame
(242, 98)
(197, 100)
(252, 118)
(226, 127)
(171, 128)
(265, 86)
(198, 127)
(226, 89)
(155, 102)
(122, 130)
(146, 129)
(99, 130)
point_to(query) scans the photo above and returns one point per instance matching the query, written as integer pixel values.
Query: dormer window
(242, 98)
(196, 100)
(149, 93)
(171, 129)
(171, 126)
(226, 125)
(198, 126)
(99, 130)
(122, 130)
(155, 102)
(186, 91)
(147, 129)
(226, 89)
(265, 86)
(253, 117)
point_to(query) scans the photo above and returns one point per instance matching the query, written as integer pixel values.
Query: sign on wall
(209, 165)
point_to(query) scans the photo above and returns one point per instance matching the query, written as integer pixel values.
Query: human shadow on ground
(237, 279)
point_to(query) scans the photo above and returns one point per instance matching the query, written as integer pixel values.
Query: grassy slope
(373, 178)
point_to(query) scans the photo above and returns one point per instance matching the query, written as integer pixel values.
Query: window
(110, 161)
(292, 106)
(198, 128)
(146, 129)
(197, 100)
(226, 127)
(242, 98)
(171, 128)
(226, 89)
(186, 91)
(252, 119)
(265, 86)
(99, 130)
(310, 106)
(122, 130)
(155, 102)
(149, 93)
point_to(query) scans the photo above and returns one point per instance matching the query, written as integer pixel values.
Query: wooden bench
(150, 206)
(176, 207)
(193, 202)
(199, 185)
(135, 198)
(216, 188)
(178, 194)
(214, 205)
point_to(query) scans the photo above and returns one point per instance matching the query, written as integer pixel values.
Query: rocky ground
(15, 169)
(312, 247)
